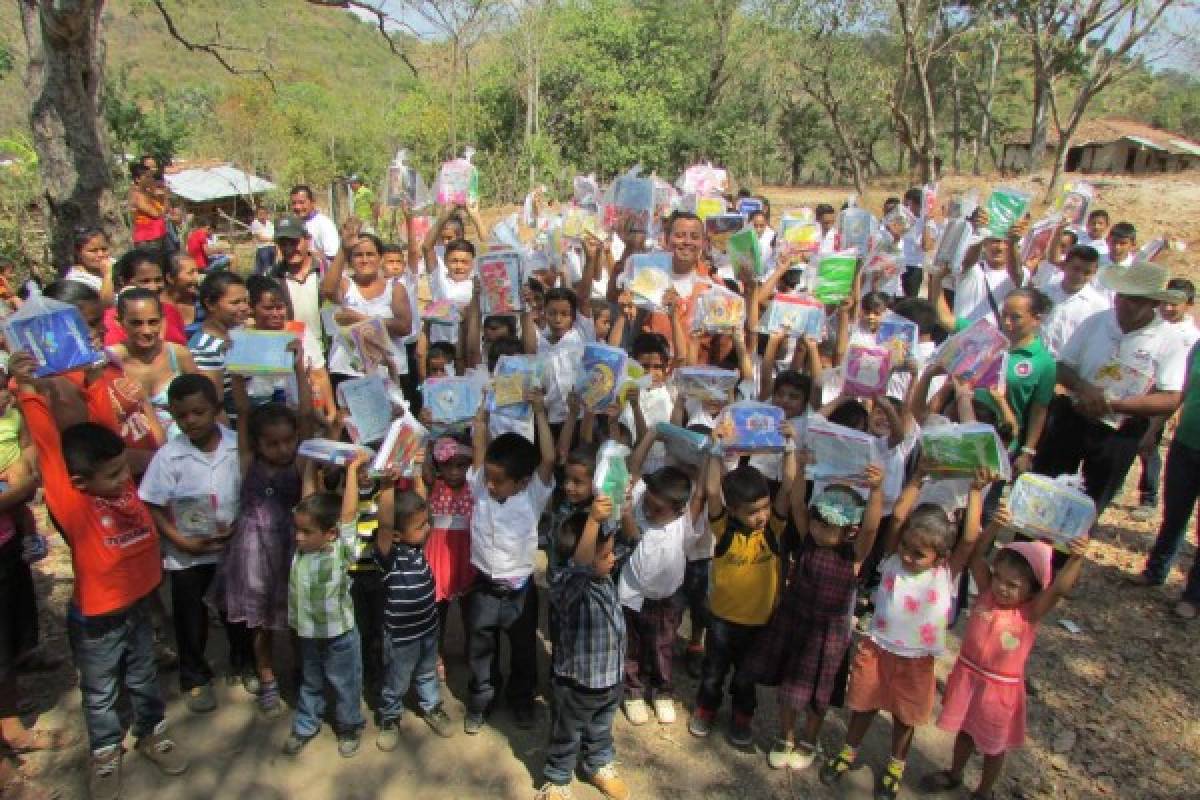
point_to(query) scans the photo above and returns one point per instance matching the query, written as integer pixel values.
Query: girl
(892, 668)
(223, 296)
(92, 267)
(144, 356)
(253, 579)
(147, 208)
(269, 310)
(806, 640)
(141, 270)
(984, 701)
(367, 293)
(183, 281)
(448, 548)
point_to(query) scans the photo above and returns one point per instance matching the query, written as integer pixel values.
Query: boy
(651, 352)
(1096, 235)
(196, 478)
(588, 657)
(1122, 246)
(1075, 297)
(321, 612)
(1178, 317)
(410, 621)
(657, 525)
(115, 558)
(745, 580)
(511, 480)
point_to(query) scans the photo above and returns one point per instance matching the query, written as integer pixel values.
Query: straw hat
(1140, 279)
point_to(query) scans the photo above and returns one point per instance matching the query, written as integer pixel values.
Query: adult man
(1121, 369)
(299, 270)
(990, 271)
(263, 233)
(363, 204)
(320, 227)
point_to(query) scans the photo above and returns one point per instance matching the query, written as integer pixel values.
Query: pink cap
(1040, 556)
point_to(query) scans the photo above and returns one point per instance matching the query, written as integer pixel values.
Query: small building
(215, 190)
(1112, 145)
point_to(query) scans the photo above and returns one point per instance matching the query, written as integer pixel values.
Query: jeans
(1072, 440)
(727, 646)
(1151, 458)
(109, 650)
(694, 594)
(188, 588)
(582, 725)
(410, 663)
(1180, 492)
(264, 259)
(338, 663)
(490, 611)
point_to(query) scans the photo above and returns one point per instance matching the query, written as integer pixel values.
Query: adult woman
(368, 293)
(183, 280)
(1030, 375)
(144, 356)
(148, 208)
(225, 302)
(92, 266)
(142, 269)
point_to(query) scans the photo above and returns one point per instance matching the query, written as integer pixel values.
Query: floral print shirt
(912, 611)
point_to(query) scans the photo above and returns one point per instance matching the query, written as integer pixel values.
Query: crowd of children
(175, 475)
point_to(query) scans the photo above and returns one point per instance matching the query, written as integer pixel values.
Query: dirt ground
(1115, 711)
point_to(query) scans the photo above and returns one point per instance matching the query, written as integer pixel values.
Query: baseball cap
(289, 226)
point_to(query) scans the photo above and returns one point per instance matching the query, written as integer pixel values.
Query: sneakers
(162, 750)
(889, 783)
(439, 722)
(269, 702)
(388, 737)
(348, 743)
(781, 755)
(833, 769)
(201, 700)
(104, 782)
(295, 743)
(553, 791)
(741, 734)
(664, 709)
(472, 723)
(701, 722)
(636, 711)
(803, 756)
(609, 783)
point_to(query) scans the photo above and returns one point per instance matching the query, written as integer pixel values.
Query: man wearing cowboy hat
(1121, 368)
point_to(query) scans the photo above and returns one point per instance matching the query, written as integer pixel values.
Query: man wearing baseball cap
(299, 270)
(1121, 368)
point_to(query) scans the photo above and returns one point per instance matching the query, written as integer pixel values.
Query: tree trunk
(957, 129)
(1041, 121)
(65, 79)
(985, 126)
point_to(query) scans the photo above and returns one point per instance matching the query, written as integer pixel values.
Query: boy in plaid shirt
(589, 657)
(322, 613)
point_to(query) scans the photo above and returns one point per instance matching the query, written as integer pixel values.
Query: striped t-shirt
(409, 608)
(209, 354)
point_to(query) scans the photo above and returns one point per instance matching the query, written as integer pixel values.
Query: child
(744, 583)
(805, 643)
(115, 560)
(657, 524)
(252, 578)
(984, 701)
(510, 481)
(191, 488)
(892, 668)
(587, 658)
(410, 621)
(322, 614)
(448, 548)
(575, 494)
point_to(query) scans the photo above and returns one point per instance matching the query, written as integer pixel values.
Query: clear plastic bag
(53, 332)
(458, 182)
(404, 185)
(611, 477)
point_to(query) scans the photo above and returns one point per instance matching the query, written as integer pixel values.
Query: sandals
(40, 739)
(937, 782)
(833, 769)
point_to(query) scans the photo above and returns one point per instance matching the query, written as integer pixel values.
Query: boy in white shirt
(1096, 235)
(1075, 297)
(511, 480)
(658, 525)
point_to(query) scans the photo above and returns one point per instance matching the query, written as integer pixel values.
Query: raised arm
(1045, 600)
(868, 529)
(638, 457)
(981, 571)
(479, 436)
(529, 331)
(585, 548)
(331, 281)
(972, 524)
(714, 470)
(766, 372)
(350, 489)
(783, 497)
(545, 438)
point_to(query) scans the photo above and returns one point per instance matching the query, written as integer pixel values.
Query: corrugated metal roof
(1143, 142)
(1188, 147)
(203, 184)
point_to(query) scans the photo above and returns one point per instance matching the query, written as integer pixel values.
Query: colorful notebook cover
(651, 278)
(855, 226)
(706, 384)
(255, 352)
(452, 400)
(719, 311)
(1074, 201)
(744, 253)
(749, 205)
(633, 203)
(835, 277)
(368, 406)
(953, 242)
(375, 346)
(751, 427)
(603, 370)
(458, 183)
(799, 315)
(838, 452)
(1005, 206)
(55, 334)
(404, 441)
(899, 335)
(500, 282)
(866, 370)
(959, 449)
(709, 206)
(1120, 381)
(1040, 239)
(1048, 509)
(513, 378)
(195, 515)
(972, 353)
(611, 477)
(800, 237)
(329, 451)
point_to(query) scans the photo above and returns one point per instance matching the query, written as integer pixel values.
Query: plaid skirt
(804, 646)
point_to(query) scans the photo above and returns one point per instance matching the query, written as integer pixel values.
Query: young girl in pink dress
(985, 694)
(448, 549)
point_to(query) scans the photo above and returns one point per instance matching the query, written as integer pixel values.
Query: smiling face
(148, 275)
(686, 244)
(367, 261)
(1077, 273)
(142, 322)
(916, 553)
(232, 308)
(1174, 312)
(753, 516)
(186, 278)
(302, 205)
(1017, 320)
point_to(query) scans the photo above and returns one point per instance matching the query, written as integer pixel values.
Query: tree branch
(382, 19)
(216, 48)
